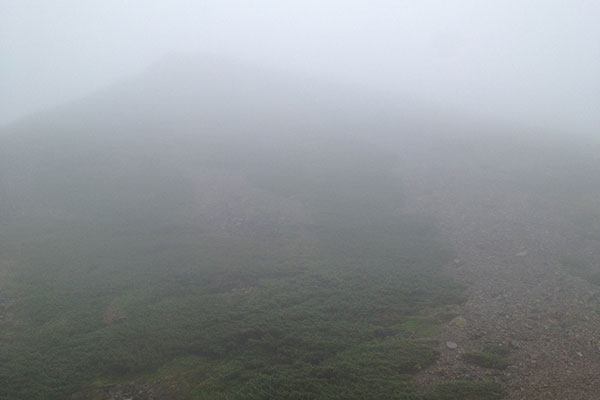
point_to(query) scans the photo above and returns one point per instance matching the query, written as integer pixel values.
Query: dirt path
(507, 242)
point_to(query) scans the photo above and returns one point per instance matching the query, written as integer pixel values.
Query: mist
(299, 200)
(532, 63)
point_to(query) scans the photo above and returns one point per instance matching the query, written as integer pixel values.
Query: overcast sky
(532, 61)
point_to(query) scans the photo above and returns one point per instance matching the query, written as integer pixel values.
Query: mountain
(208, 229)
(177, 139)
(210, 216)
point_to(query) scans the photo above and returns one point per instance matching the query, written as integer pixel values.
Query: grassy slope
(99, 232)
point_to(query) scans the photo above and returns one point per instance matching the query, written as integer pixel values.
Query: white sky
(537, 62)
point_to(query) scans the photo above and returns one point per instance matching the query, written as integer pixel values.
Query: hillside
(210, 230)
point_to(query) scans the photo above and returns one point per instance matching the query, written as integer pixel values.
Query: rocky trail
(508, 242)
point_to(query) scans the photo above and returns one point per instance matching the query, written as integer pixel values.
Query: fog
(534, 63)
(299, 200)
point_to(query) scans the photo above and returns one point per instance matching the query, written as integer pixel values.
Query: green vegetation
(492, 356)
(110, 282)
(497, 349)
(466, 390)
(258, 317)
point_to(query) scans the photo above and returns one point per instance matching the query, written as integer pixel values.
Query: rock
(451, 345)
(521, 253)
(515, 344)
